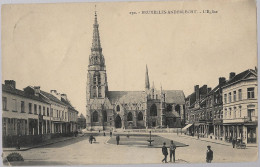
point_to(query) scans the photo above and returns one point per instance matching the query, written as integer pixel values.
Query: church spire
(96, 57)
(147, 84)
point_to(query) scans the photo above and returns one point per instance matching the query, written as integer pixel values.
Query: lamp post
(150, 140)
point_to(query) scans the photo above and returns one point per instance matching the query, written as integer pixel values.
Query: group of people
(172, 148)
(92, 138)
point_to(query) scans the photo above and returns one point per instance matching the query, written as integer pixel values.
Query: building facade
(196, 111)
(227, 112)
(81, 122)
(127, 109)
(240, 107)
(33, 115)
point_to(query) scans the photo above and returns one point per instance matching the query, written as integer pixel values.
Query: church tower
(97, 78)
(97, 87)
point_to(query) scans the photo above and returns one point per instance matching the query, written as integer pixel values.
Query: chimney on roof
(58, 96)
(231, 75)
(53, 92)
(10, 83)
(64, 96)
(221, 80)
(37, 90)
(197, 92)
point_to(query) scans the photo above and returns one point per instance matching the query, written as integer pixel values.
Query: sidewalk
(45, 143)
(215, 141)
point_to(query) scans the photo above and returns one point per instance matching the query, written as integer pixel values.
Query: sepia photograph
(121, 83)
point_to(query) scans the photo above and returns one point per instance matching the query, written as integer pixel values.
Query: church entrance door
(118, 122)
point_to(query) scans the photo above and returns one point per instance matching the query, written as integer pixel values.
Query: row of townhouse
(228, 111)
(33, 115)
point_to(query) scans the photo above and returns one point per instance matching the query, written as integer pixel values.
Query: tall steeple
(96, 57)
(97, 85)
(147, 83)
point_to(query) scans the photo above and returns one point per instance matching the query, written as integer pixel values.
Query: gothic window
(96, 78)
(105, 116)
(95, 116)
(129, 116)
(117, 108)
(94, 91)
(140, 116)
(99, 91)
(153, 110)
(169, 108)
(178, 108)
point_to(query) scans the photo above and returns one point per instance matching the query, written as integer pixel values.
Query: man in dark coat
(172, 151)
(110, 133)
(117, 139)
(209, 155)
(233, 142)
(164, 152)
(90, 139)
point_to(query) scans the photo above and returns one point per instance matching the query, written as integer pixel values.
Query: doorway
(118, 122)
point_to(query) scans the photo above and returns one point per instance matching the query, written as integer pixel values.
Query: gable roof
(11, 90)
(174, 96)
(66, 101)
(126, 96)
(240, 76)
(52, 98)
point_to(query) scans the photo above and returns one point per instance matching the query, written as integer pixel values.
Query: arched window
(99, 91)
(95, 116)
(153, 110)
(129, 116)
(117, 108)
(105, 116)
(96, 78)
(94, 91)
(140, 116)
(169, 108)
(178, 109)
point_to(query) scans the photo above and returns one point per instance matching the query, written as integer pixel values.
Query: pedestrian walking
(209, 155)
(117, 139)
(233, 142)
(91, 139)
(110, 133)
(164, 152)
(172, 151)
(104, 133)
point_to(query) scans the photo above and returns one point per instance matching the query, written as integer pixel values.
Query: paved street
(77, 151)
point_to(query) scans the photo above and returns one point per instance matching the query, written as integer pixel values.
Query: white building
(32, 115)
(240, 107)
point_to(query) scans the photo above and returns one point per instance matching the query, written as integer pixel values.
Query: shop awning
(187, 126)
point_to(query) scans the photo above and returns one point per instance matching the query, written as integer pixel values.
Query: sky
(48, 45)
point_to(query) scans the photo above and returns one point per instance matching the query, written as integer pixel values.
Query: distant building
(127, 109)
(81, 122)
(196, 111)
(34, 115)
(240, 107)
(228, 111)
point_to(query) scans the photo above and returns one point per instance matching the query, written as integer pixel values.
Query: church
(148, 108)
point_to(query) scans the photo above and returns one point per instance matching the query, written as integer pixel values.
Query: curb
(37, 146)
(206, 141)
